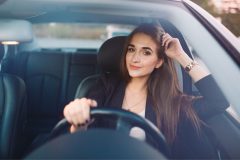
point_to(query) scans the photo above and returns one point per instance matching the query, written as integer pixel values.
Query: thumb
(73, 129)
(93, 103)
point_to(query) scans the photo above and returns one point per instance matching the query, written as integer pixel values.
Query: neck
(137, 84)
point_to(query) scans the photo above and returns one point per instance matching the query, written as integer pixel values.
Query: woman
(148, 86)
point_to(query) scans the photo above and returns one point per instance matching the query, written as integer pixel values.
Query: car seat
(1, 52)
(109, 56)
(12, 115)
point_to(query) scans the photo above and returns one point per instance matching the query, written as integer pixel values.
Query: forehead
(143, 40)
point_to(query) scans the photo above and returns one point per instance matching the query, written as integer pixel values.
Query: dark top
(109, 92)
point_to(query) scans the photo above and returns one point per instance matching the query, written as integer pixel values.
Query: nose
(136, 57)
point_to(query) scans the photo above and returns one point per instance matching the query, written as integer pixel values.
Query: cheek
(151, 64)
(127, 59)
(150, 68)
(127, 62)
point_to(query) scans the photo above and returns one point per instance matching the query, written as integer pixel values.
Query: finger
(75, 116)
(80, 116)
(88, 101)
(68, 118)
(77, 112)
(66, 109)
(85, 110)
(73, 129)
(167, 43)
(167, 35)
(164, 38)
(85, 113)
(93, 103)
(67, 114)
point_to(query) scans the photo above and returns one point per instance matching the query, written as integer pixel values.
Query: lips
(132, 67)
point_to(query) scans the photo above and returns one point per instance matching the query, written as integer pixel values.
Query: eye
(130, 49)
(147, 52)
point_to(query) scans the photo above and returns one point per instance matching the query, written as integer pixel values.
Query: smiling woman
(66, 49)
(148, 71)
(142, 49)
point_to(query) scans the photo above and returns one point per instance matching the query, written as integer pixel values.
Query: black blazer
(109, 92)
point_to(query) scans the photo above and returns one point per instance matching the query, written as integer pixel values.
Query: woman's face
(141, 56)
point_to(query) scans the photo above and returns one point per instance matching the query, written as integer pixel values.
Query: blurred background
(226, 11)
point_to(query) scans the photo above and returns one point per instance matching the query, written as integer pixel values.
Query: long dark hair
(170, 103)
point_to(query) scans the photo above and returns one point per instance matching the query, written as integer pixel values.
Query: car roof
(74, 10)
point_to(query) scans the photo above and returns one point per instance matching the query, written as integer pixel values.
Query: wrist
(190, 66)
(183, 59)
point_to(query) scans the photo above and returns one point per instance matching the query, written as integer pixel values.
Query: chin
(136, 75)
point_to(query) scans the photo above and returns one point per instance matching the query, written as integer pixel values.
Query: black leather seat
(13, 115)
(51, 79)
(1, 52)
(108, 60)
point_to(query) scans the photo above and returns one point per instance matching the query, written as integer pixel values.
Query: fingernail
(80, 125)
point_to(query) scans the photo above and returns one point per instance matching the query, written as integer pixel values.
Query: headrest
(15, 30)
(109, 54)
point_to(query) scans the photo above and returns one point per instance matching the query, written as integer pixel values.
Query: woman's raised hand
(77, 112)
(172, 46)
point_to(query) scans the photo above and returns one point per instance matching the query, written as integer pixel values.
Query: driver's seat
(109, 56)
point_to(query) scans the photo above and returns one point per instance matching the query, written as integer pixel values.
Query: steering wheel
(125, 120)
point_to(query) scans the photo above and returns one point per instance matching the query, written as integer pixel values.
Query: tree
(231, 21)
(208, 6)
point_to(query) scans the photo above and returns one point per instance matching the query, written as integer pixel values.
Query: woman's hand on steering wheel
(77, 112)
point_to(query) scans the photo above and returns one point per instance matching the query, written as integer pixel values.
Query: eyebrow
(131, 45)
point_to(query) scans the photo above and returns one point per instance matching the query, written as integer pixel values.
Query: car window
(231, 109)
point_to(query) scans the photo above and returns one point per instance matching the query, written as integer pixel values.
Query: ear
(159, 63)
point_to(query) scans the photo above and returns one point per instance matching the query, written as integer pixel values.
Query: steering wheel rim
(125, 121)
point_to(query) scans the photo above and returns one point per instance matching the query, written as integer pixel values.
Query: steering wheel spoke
(123, 125)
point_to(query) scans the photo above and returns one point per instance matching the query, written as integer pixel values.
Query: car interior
(51, 86)
(36, 84)
(13, 114)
